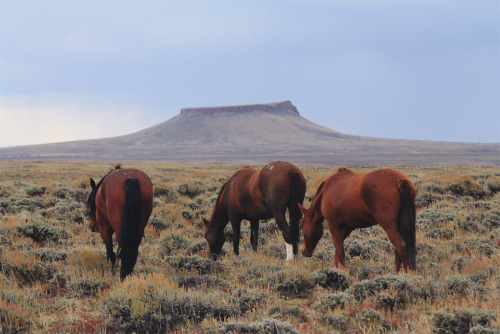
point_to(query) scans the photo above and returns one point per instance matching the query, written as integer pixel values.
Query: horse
(349, 201)
(258, 194)
(121, 203)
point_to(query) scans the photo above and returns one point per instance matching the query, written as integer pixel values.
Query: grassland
(54, 277)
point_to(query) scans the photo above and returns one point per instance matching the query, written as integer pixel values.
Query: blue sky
(426, 70)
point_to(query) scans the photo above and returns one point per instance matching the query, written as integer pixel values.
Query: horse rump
(130, 235)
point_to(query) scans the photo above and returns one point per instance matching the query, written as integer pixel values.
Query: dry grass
(61, 282)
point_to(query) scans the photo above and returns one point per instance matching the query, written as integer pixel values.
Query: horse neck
(220, 216)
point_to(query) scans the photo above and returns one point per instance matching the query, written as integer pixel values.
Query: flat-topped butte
(284, 106)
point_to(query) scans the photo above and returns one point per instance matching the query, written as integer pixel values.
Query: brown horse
(121, 203)
(258, 194)
(348, 201)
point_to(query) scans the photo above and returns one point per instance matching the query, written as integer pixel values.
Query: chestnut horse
(121, 203)
(348, 201)
(258, 194)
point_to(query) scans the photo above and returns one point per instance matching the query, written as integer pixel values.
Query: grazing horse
(258, 194)
(121, 203)
(348, 201)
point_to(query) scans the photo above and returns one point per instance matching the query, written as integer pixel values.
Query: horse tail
(131, 234)
(297, 192)
(407, 219)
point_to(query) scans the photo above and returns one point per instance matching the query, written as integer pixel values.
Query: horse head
(312, 230)
(215, 240)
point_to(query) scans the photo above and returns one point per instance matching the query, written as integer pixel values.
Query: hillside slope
(256, 133)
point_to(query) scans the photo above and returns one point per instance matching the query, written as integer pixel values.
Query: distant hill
(256, 133)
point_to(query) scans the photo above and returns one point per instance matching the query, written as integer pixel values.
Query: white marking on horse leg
(289, 252)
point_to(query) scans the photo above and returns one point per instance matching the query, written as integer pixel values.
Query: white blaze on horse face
(289, 253)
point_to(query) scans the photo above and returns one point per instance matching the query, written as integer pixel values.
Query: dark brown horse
(121, 203)
(258, 194)
(348, 201)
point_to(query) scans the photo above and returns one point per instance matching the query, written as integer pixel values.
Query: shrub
(295, 286)
(361, 290)
(189, 190)
(47, 254)
(425, 199)
(14, 318)
(35, 191)
(200, 282)
(168, 195)
(171, 242)
(461, 320)
(266, 326)
(370, 315)
(28, 272)
(357, 248)
(42, 232)
(62, 193)
(85, 287)
(153, 304)
(332, 279)
(331, 301)
(159, 224)
(194, 263)
(338, 321)
(462, 285)
(440, 233)
(246, 299)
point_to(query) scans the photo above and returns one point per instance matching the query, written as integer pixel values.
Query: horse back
(110, 197)
(352, 197)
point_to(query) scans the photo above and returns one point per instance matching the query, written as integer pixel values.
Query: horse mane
(317, 197)
(91, 200)
(219, 198)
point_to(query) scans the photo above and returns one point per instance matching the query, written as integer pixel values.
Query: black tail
(297, 193)
(407, 219)
(131, 233)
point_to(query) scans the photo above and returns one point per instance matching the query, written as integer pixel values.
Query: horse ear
(205, 222)
(92, 183)
(303, 209)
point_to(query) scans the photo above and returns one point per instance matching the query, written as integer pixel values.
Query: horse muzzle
(306, 254)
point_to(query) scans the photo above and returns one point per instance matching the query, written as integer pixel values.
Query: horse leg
(107, 238)
(291, 244)
(338, 235)
(254, 235)
(236, 224)
(401, 253)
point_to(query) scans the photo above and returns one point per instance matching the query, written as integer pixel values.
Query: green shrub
(332, 279)
(172, 242)
(195, 263)
(85, 287)
(331, 301)
(14, 318)
(358, 248)
(152, 304)
(35, 190)
(48, 254)
(166, 194)
(440, 233)
(42, 232)
(461, 321)
(200, 282)
(266, 326)
(189, 190)
(293, 287)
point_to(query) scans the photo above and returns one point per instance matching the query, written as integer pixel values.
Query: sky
(426, 70)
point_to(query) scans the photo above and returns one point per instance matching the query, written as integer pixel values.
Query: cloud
(49, 119)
